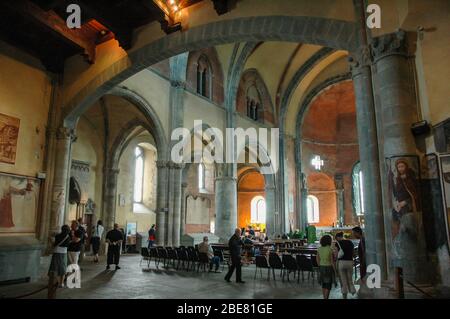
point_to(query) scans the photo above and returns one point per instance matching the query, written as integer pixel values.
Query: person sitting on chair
(206, 248)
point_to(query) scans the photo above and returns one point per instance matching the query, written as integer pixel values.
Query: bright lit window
(258, 210)
(138, 174)
(312, 208)
(201, 176)
(358, 190)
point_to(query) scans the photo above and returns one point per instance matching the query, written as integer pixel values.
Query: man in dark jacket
(235, 243)
(114, 239)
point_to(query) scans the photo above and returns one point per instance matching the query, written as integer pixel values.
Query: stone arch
(252, 89)
(307, 101)
(217, 80)
(311, 30)
(155, 127)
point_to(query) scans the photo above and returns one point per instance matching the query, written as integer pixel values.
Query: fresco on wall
(445, 169)
(9, 133)
(18, 203)
(406, 214)
(434, 219)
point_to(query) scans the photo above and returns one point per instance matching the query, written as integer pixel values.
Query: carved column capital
(360, 59)
(161, 164)
(174, 165)
(390, 44)
(65, 133)
(178, 84)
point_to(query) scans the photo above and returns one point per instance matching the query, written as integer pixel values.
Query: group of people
(69, 246)
(337, 261)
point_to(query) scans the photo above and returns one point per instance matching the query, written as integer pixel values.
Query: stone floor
(136, 282)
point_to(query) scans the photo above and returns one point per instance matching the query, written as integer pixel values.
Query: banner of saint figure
(406, 212)
(9, 133)
(19, 196)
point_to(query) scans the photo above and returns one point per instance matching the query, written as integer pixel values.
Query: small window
(138, 174)
(204, 77)
(312, 208)
(258, 210)
(358, 190)
(201, 176)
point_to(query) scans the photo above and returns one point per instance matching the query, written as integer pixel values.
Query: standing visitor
(345, 264)
(82, 230)
(74, 248)
(235, 243)
(326, 265)
(358, 234)
(96, 239)
(114, 239)
(151, 236)
(58, 264)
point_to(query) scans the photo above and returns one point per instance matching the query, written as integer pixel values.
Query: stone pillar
(183, 209)
(64, 138)
(398, 111)
(271, 227)
(369, 158)
(177, 198)
(360, 64)
(162, 205)
(110, 197)
(226, 201)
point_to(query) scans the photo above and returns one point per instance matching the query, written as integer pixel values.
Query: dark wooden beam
(224, 6)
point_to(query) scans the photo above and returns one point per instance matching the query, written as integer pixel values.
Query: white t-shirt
(98, 231)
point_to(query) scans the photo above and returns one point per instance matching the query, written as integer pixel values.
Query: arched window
(204, 77)
(138, 174)
(312, 209)
(253, 103)
(258, 210)
(201, 176)
(358, 191)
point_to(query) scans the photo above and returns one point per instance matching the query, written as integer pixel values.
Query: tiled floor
(134, 281)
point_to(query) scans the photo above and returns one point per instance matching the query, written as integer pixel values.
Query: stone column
(176, 195)
(360, 63)
(161, 203)
(398, 111)
(369, 157)
(226, 201)
(64, 138)
(110, 197)
(271, 227)
(183, 209)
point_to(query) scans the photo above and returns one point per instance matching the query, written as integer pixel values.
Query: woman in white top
(96, 238)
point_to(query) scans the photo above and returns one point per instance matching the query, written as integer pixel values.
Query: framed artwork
(433, 212)
(445, 179)
(19, 202)
(9, 134)
(131, 229)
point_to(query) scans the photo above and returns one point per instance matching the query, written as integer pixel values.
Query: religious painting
(406, 213)
(445, 171)
(131, 228)
(19, 196)
(9, 134)
(433, 212)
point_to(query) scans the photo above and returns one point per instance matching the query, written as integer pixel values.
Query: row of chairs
(188, 258)
(287, 264)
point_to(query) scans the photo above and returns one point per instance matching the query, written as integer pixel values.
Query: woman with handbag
(326, 265)
(58, 264)
(345, 250)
